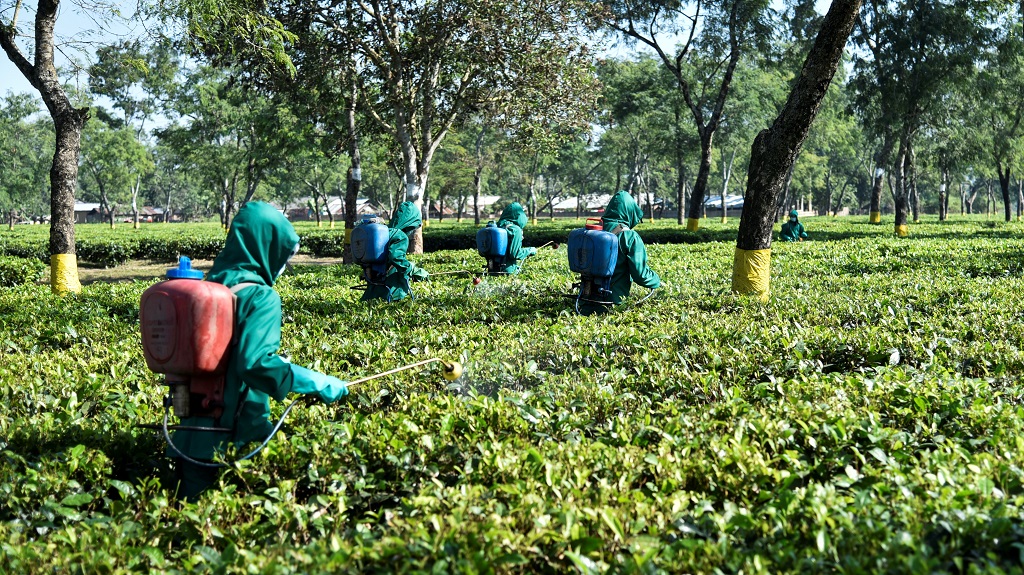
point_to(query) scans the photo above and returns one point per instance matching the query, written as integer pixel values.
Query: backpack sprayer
(370, 250)
(187, 333)
(593, 254)
(492, 244)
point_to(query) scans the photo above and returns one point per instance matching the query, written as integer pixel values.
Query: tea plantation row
(868, 418)
(97, 244)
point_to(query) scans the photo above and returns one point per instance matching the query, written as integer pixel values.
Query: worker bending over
(513, 218)
(620, 217)
(400, 270)
(259, 244)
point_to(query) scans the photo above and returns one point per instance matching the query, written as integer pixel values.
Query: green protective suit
(400, 270)
(793, 230)
(259, 244)
(514, 220)
(620, 217)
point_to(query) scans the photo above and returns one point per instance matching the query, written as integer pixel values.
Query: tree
(24, 144)
(68, 121)
(775, 149)
(116, 163)
(917, 48)
(1000, 107)
(715, 36)
(423, 66)
(231, 137)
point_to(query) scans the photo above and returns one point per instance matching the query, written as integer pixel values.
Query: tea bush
(869, 418)
(16, 271)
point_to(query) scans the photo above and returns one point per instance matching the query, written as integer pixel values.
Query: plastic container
(187, 324)
(370, 243)
(593, 252)
(492, 241)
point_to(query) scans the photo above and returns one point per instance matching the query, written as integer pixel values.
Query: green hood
(514, 214)
(260, 242)
(623, 208)
(407, 218)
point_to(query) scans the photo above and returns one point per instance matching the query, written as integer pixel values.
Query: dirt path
(145, 270)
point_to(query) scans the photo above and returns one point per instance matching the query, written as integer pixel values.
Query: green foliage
(17, 271)
(867, 419)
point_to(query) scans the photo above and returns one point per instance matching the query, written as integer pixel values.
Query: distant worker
(401, 271)
(259, 244)
(620, 217)
(793, 230)
(513, 218)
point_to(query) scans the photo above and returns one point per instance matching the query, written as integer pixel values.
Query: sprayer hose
(174, 448)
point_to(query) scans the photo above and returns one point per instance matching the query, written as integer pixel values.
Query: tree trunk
(699, 190)
(680, 169)
(943, 195)
(901, 192)
(1020, 198)
(135, 201)
(875, 213)
(1004, 186)
(915, 199)
(783, 206)
(828, 193)
(10, 219)
(64, 181)
(776, 149)
(478, 175)
(327, 204)
(726, 176)
(531, 200)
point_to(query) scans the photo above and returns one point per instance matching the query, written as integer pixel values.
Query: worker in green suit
(620, 217)
(259, 244)
(401, 271)
(793, 230)
(513, 218)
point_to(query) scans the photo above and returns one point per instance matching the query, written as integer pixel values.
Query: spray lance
(187, 332)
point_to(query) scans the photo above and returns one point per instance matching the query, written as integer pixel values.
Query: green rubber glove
(327, 388)
(531, 252)
(420, 274)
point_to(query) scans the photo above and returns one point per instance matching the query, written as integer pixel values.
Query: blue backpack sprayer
(370, 250)
(492, 244)
(593, 254)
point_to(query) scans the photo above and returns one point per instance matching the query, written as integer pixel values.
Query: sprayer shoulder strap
(619, 229)
(234, 296)
(239, 287)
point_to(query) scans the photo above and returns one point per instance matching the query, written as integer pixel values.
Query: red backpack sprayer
(187, 333)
